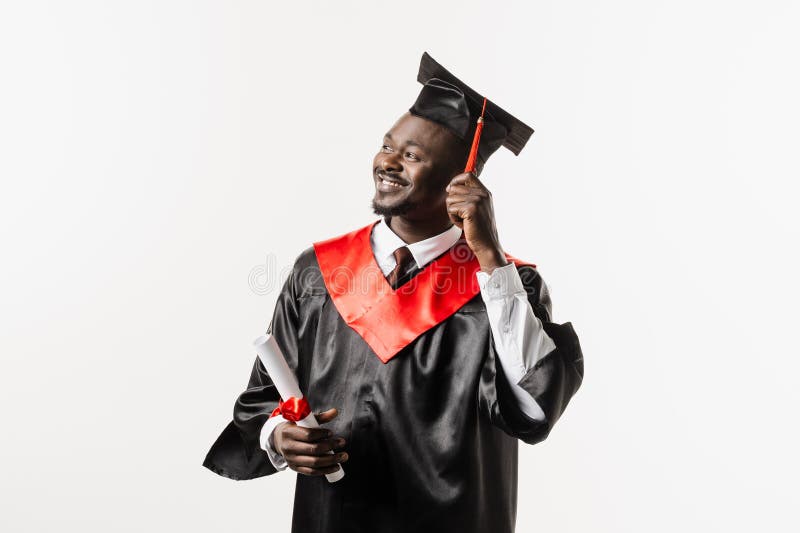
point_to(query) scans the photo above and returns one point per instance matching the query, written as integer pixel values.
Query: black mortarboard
(448, 101)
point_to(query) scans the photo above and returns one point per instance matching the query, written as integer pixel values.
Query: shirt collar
(385, 242)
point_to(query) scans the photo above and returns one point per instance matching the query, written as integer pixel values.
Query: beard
(393, 211)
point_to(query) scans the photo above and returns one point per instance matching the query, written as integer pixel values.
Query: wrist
(491, 259)
(274, 440)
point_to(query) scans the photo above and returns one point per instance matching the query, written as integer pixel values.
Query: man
(431, 346)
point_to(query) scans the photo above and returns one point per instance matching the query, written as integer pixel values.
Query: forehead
(428, 134)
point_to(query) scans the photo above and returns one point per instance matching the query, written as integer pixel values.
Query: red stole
(386, 319)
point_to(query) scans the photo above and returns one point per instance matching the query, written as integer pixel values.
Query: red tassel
(473, 151)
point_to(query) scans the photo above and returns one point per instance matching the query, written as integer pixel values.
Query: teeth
(393, 184)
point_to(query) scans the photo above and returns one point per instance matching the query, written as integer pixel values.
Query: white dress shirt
(519, 338)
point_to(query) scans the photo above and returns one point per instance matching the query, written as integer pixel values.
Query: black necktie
(404, 261)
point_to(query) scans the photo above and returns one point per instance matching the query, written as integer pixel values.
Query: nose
(391, 163)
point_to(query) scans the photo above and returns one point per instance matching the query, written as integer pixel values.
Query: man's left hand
(469, 205)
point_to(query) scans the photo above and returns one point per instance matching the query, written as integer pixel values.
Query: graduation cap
(448, 101)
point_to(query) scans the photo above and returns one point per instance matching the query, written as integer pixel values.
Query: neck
(412, 231)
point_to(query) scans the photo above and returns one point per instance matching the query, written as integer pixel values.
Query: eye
(386, 148)
(412, 156)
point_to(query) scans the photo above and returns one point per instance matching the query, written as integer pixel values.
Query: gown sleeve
(551, 382)
(237, 453)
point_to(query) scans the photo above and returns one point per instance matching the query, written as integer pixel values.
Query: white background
(155, 154)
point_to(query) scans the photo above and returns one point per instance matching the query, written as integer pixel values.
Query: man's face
(416, 161)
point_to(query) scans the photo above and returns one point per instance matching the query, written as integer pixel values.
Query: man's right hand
(306, 449)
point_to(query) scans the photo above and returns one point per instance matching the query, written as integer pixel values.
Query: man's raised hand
(469, 206)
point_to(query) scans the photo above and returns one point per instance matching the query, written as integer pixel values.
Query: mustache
(388, 174)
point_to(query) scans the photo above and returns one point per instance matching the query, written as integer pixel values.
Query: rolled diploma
(285, 381)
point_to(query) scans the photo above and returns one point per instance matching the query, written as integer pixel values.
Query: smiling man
(432, 348)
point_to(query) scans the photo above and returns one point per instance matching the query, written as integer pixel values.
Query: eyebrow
(410, 142)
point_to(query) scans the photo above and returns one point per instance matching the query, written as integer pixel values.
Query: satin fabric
(432, 434)
(387, 319)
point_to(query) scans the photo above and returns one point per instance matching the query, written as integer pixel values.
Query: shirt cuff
(527, 403)
(504, 281)
(275, 458)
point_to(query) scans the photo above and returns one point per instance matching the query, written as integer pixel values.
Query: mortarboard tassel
(473, 152)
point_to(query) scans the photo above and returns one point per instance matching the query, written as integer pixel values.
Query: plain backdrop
(163, 163)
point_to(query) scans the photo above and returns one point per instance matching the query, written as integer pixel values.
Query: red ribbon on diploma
(293, 409)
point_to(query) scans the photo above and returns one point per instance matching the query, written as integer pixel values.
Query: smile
(391, 184)
(387, 184)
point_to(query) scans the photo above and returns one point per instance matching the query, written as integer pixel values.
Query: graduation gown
(432, 432)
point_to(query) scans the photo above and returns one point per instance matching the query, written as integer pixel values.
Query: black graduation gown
(431, 434)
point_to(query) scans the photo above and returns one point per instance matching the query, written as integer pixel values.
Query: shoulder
(528, 273)
(305, 277)
(351, 238)
(531, 277)
(535, 288)
(306, 259)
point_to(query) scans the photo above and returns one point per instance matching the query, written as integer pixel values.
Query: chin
(392, 210)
